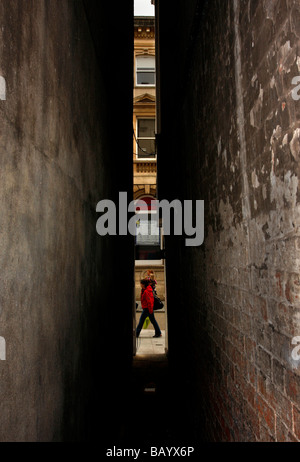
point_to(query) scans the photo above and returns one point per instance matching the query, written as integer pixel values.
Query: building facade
(148, 250)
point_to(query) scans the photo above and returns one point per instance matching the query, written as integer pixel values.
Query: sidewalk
(147, 345)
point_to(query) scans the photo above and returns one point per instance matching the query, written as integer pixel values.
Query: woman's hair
(151, 274)
(145, 282)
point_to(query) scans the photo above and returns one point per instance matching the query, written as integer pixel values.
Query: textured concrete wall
(57, 275)
(234, 142)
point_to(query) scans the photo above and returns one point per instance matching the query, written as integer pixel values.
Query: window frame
(150, 71)
(150, 211)
(145, 137)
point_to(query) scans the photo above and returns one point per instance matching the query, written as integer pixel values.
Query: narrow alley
(99, 109)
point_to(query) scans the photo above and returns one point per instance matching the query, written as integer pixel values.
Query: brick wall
(233, 132)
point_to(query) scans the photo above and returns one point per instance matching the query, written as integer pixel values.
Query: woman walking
(147, 301)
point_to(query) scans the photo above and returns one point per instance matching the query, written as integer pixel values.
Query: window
(147, 240)
(146, 138)
(145, 70)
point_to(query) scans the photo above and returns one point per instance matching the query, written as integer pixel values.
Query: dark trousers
(145, 314)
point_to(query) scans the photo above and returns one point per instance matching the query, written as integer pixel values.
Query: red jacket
(147, 299)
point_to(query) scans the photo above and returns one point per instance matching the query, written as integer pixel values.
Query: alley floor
(147, 345)
(156, 409)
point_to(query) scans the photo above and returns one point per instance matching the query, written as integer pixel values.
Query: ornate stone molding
(144, 166)
(145, 52)
(142, 190)
(144, 28)
(146, 98)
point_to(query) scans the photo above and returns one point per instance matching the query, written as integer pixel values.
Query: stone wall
(57, 161)
(233, 134)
